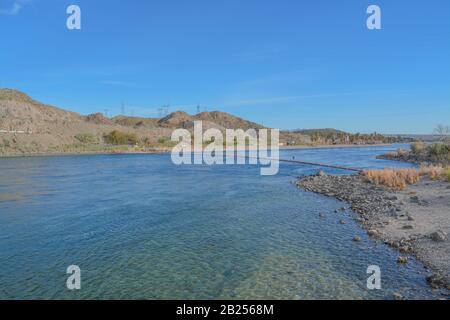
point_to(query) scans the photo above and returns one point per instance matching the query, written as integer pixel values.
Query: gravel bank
(416, 220)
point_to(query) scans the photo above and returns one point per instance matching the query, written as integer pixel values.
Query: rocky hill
(30, 127)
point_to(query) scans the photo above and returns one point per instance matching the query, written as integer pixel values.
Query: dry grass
(418, 147)
(433, 172)
(402, 153)
(393, 178)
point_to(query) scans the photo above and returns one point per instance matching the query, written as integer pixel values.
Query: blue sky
(286, 64)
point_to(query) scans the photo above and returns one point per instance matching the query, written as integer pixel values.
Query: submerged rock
(402, 260)
(438, 280)
(321, 174)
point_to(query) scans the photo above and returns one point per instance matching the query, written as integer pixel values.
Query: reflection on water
(142, 228)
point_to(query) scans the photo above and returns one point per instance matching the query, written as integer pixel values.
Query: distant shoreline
(165, 151)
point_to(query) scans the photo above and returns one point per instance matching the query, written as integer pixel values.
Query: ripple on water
(141, 228)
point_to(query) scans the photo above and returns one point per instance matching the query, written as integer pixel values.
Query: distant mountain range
(28, 127)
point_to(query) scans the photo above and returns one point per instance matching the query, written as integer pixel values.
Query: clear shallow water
(142, 228)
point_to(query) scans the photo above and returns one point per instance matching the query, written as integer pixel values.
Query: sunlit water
(142, 228)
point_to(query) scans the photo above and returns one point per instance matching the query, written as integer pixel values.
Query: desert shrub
(446, 174)
(166, 142)
(6, 143)
(120, 138)
(392, 178)
(163, 140)
(439, 149)
(402, 153)
(86, 138)
(418, 147)
(433, 172)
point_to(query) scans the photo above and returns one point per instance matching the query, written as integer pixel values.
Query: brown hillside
(135, 121)
(28, 126)
(227, 120)
(98, 118)
(177, 119)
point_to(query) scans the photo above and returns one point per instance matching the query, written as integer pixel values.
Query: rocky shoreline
(415, 220)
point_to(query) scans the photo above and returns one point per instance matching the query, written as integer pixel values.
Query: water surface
(142, 228)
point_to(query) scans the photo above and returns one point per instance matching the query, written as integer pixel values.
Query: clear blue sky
(286, 64)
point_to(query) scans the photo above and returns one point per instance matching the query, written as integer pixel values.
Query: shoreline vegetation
(436, 153)
(125, 151)
(406, 209)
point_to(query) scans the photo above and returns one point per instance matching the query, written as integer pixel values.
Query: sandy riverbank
(415, 220)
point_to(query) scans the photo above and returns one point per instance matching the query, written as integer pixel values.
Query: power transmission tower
(163, 111)
(122, 109)
(166, 110)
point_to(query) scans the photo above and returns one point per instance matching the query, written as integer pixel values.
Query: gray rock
(408, 227)
(373, 233)
(402, 260)
(438, 281)
(397, 296)
(439, 236)
(405, 249)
